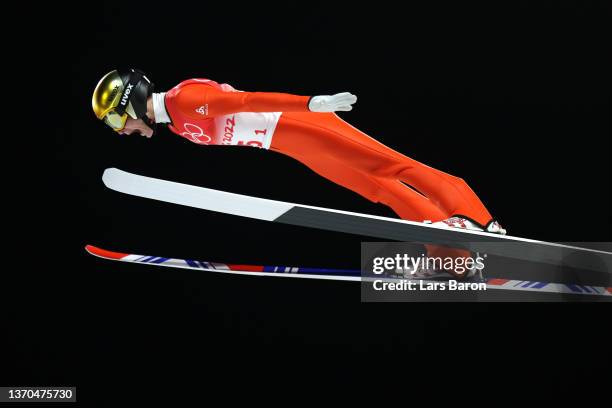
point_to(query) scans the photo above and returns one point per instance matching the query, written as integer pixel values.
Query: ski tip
(103, 253)
(108, 175)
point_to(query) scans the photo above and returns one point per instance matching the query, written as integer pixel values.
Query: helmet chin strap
(136, 93)
(145, 87)
(150, 123)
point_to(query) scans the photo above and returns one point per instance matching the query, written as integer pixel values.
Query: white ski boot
(465, 223)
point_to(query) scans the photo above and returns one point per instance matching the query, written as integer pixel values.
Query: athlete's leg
(322, 150)
(349, 157)
(406, 203)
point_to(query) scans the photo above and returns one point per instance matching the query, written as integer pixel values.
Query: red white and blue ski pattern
(331, 274)
(259, 270)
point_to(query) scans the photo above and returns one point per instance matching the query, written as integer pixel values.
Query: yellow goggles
(115, 120)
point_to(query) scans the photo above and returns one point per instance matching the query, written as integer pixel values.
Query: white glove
(332, 103)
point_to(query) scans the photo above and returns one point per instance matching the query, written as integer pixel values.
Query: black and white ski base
(356, 223)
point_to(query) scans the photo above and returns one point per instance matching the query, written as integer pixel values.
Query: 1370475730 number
(38, 393)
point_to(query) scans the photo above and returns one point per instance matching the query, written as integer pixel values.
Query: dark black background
(514, 98)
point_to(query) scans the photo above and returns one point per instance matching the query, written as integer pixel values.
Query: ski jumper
(209, 113)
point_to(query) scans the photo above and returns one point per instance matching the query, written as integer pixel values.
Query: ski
(332, 274)
(238, 269)
(356, 223)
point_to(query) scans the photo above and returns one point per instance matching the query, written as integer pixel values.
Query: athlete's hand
(332, 103)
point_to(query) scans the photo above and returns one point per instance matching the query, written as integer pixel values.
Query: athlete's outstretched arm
(220, 102)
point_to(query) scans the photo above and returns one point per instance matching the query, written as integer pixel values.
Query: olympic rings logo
(195, 133)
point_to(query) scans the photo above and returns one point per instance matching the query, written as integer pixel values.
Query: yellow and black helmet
(119, 94)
